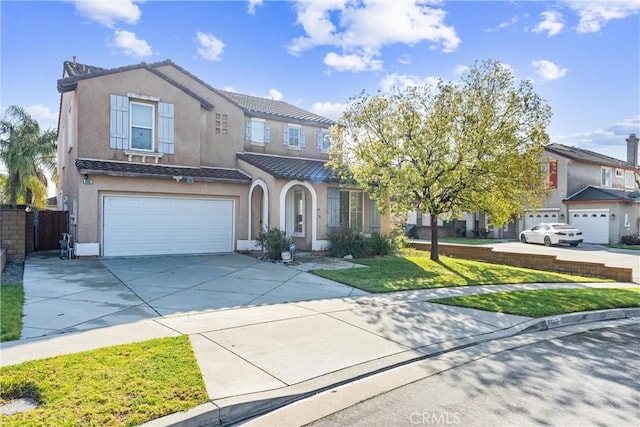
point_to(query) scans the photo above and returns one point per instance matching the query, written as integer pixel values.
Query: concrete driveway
(80, 294)
(585, 252)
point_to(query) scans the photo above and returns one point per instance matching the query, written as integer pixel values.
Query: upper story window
(222, 123)
(257, 131)
(628, 179)
(605, 179)
(142, 132)
(141, 123)
(323, 140)
(293, 136)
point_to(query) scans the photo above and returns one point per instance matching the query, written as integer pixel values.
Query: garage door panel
(593, 224)
(155, 225)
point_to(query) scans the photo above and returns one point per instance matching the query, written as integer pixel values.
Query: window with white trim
(142, 121)
(605, 179)
(257, 131)
(142, 124)
(628, 179)
(293, 136)
(352, 209)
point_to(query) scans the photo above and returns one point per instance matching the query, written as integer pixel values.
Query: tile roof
(270, 108)
(586, 156)
(290, 167)
(151, 170)
(593, 193)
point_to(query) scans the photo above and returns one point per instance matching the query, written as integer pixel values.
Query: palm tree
(27, 153)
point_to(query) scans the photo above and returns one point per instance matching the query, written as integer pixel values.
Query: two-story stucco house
(597, 194)
(153, 160)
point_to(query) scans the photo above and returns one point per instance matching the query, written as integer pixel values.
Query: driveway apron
(75, 295)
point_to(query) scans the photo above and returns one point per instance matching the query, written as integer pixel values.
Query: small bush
(346, 241)
(273, 241)
(630, 240)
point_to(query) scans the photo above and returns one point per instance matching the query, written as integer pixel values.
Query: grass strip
(124, 385)
(11, 300)
(548, 302)
(416, 271)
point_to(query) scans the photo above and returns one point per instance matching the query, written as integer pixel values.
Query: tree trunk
(435, 255)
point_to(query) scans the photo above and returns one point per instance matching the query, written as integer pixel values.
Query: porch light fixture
(178, 178)
(562, 216)
(613, 217)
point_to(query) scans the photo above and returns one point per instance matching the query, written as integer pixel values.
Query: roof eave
(90, 171)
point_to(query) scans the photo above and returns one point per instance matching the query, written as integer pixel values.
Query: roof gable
(586, 156)
(593, 193)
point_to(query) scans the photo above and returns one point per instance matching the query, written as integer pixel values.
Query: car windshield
(563, 227)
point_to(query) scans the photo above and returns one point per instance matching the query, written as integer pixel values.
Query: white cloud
(362, 28)
(460, 70)
(108, 12)
(594, 14)
(253, 4)
(275, 94)
(552, 23)
(130, 44)
(210, 47)
(548, 70)
(331, 110)
(403, 81)
(514, 20)
(404, 59)
(609, 141)
(354, 62)
(47, 118)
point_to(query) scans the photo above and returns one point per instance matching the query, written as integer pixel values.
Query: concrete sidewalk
(257, 358)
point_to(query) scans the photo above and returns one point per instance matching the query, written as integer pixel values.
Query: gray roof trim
(68, 84)
(586, 156)
(156, 171)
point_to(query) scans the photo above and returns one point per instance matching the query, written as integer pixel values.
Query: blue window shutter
(333, 208)
(267, 133)
(302, 143)
(374, 217)
(285, 135)
(247, 130)
(119, 126)
(166, 128)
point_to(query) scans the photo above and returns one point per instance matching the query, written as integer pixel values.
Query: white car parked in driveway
(552, 234)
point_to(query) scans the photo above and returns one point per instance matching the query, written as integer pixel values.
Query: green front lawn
(123, 385)
(416, 271)
(548, 302)
(628, 247)
(11, 300)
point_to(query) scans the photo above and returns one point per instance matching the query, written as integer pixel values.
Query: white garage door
(535, 218)
(158, 225)
(594, 224)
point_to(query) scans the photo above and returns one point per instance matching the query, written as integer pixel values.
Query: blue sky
(583, 56)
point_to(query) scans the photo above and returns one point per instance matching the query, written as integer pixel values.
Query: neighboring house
(152, 160)
(596, 193)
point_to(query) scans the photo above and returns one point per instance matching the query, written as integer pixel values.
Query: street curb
(232, 411)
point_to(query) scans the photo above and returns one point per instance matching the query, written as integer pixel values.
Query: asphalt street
(591, 378)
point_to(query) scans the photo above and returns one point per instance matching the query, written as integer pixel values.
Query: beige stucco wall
(88, 226)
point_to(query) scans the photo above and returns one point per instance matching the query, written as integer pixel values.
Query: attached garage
(534, 218)
(594, 224)
(134, 225)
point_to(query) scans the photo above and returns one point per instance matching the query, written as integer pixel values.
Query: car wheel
(523, 238)
(574, 244)
(547, 241)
